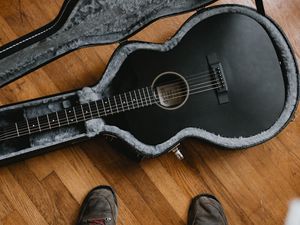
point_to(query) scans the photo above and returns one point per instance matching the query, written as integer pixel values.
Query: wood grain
(254, 185)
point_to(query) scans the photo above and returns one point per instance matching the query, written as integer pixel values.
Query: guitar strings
(190, 78)
(205, 75)
(152, 100)
(202, 78)
(82, 119)
(7, 132)
(8, 137)
(112, 110)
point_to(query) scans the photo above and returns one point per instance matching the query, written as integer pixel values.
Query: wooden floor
(255, 185)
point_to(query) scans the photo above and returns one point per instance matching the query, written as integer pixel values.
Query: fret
(128, 106)
(145, 97)
(75, 115)
(38, 120)
(97, 108)
(27, 125)
(82, 113)
(86, 112)
(44, 124)
(120, 104)
(116, 104)
(103, 107)
(57, 119)
(124, 102)
(132, 101)
(120, 97)
(147, 90)
(136, 99)
(53, 121)
(139, 91)
(62, 116)
(22, 129)
(48, 121)
(78, 113)
(17, 129)
(33, 125)
(94, 110)
(67, 117)
(107, 106)
(111, 109)
(71, 116)
(91, 112)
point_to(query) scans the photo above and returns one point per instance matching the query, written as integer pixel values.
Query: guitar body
(256, 88)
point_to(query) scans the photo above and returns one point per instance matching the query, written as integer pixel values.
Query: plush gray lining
(48, 139)
(91, 22)
(55, 135)
(97, 126)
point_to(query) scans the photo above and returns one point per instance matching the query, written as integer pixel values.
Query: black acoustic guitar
(224, 77)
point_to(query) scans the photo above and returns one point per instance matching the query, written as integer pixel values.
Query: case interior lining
(97, 126)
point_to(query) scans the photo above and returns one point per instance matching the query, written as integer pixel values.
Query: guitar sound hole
(171, 90)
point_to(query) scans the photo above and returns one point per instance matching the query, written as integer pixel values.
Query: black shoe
(206, 210)
(100, 207)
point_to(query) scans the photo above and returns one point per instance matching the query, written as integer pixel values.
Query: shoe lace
(98, 221)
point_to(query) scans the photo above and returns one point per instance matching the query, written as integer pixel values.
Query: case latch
(176, 150)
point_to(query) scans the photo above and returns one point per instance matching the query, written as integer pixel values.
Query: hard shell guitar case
(82, 23)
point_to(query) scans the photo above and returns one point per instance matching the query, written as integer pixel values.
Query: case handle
(260, 7)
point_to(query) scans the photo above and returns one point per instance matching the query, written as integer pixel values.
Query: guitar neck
(80, 113)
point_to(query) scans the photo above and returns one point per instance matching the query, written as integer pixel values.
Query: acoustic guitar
(223, 76)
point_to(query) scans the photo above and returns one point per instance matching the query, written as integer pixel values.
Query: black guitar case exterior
(82, 23)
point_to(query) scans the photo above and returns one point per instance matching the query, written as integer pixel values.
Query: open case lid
(83, 23)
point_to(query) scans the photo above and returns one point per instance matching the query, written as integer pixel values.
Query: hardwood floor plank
(38, 194)
(13, 219)
(184, 174)
(65, 208)
(168, 187)
(40, 166)
(70, 177)
(19, 200)
(5, 206)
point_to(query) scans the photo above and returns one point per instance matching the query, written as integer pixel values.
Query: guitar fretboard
(167, 94)
(80, 113)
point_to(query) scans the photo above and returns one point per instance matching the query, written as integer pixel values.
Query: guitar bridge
(218, 76)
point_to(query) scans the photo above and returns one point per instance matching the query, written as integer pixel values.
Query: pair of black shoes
(101, 208)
